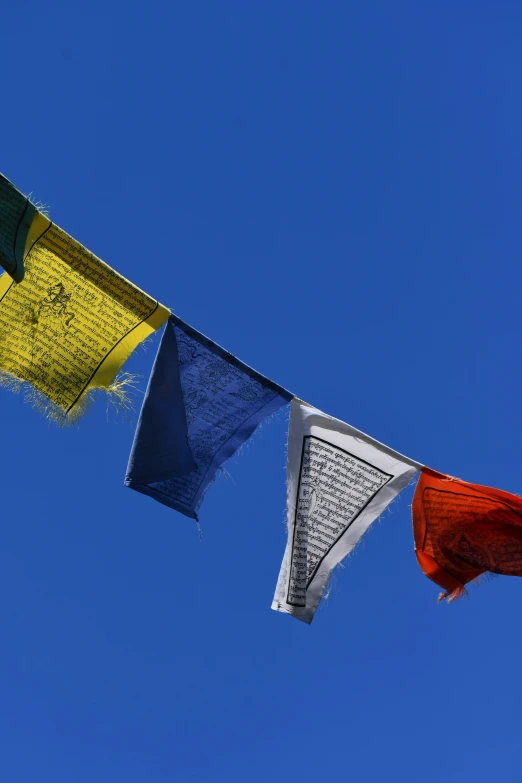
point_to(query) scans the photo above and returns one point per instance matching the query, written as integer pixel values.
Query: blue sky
(332, 191)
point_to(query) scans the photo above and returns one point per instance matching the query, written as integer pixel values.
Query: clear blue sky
(332, 191)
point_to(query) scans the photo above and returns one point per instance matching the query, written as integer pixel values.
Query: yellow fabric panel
(72, 322)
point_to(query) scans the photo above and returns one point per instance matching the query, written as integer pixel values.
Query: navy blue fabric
(201, 405)
(161, 449)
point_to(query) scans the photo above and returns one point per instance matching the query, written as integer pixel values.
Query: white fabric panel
(338, 481)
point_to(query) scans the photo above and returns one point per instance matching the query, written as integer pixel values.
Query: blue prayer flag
(201, 405)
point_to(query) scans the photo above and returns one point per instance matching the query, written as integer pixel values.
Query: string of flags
(68, 322)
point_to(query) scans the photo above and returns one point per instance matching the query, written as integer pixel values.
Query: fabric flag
(338, 481)
(201, 405)
(16, 216)
(72, 321)
(464, 530)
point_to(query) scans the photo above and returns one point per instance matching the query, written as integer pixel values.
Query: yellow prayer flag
(70, 324)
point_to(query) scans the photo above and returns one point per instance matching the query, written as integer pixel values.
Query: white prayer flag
(338, 481)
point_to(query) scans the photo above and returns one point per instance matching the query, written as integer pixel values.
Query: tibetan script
(334, 487)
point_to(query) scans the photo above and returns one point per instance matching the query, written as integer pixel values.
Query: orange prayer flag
(464, 530)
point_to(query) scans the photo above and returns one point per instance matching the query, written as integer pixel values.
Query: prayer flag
(72, 321)
(201, 405)
(338, 481)
(464, 530)
(16, 216)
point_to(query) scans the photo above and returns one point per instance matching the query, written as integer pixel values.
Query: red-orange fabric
(463, 530)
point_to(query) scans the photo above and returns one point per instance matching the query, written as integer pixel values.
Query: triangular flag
(201, 404)
(339, 480)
